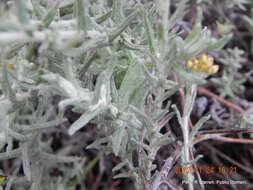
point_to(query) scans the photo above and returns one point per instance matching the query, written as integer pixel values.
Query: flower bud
(205, 62)
(195, 61)
(189, 64)
(203, 58)
(11, 67)
(210, 60)
(195, 67)
(213, 69)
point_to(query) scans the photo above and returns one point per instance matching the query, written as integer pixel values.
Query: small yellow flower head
(203, 58)
(2, 179)
(195, 61)
(204, 64)
(192, 64)
(11, 67)
(189, 64)
(195, 66)
(213, 69)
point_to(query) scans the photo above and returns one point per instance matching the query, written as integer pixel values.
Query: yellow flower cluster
(204, 64)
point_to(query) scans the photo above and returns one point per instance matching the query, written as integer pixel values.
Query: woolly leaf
(26, 161)
(149, 32)
(117, 139)
(133, 80)
(92, 112)
(39, 10)
(197, 127)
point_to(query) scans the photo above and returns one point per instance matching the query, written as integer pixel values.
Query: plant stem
(186, 152)
(191, 90)
(163, 9)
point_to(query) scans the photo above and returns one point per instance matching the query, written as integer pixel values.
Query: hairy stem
(189, 100)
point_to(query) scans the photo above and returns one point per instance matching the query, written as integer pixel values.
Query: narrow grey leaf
(85, 118)
(197, 127)
(117, 139)
(26, 161)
